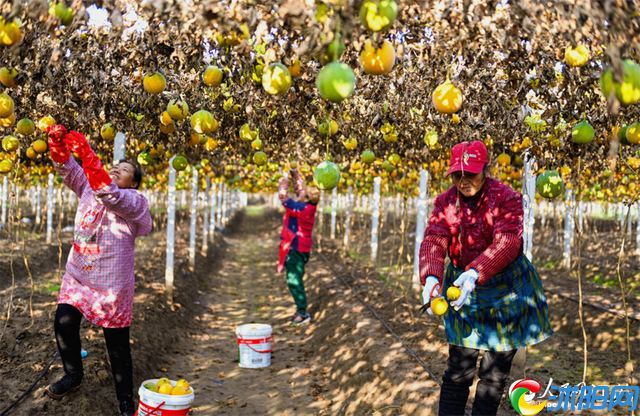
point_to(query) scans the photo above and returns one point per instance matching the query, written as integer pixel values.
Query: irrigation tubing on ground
(409, 350)
(56, 355)
(5, 411)
(617, 313)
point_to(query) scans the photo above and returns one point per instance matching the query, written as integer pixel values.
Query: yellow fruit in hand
(165, 389)
(453, 293)
(183, 383)
(439, 305)
(293, 165)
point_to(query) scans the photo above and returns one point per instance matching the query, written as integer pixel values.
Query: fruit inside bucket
(156, 403)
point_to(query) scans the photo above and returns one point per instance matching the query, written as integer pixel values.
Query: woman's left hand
(467, 283)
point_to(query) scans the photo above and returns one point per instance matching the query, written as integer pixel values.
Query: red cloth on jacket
(487, 238)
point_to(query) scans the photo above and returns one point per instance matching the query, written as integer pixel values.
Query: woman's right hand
(431, 290)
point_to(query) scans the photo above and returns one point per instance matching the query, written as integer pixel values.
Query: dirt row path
(343, 362)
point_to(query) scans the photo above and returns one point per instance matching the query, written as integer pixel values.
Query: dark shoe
(299, 319)
(127, 408)
(66, 384)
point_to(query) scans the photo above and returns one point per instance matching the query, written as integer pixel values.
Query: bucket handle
(271, 338)
(155, 409)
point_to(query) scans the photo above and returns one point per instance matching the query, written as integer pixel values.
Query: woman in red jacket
(295, 240)
(501, 307)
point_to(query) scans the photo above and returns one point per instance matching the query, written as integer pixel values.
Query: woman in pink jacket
(99, 281)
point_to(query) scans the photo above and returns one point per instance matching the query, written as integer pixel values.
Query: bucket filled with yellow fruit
(161, 396)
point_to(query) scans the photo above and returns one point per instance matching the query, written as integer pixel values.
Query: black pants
(461, 369)
(67, 327)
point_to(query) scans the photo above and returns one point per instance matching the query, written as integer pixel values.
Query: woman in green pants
(295, 240)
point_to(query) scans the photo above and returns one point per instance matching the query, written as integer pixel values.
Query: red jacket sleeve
(298, 181)
(507, 240)
(283, 190)
(437, 238)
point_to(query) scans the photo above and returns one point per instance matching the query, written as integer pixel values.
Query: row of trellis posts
(219, 204)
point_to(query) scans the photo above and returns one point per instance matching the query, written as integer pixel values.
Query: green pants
(295, 270)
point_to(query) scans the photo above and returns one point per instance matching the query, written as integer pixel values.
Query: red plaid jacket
(487, 238)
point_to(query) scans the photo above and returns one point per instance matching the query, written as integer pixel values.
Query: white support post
(207, 207)
(32, 199)
(347, 224)
(5, 187)
(214, 205)
(581, 215)
(16, 189)
(629, 222)
(194, 218)
(422, 214)
(171, 228)
(375, 216)
(50, 209)
(38, 204)
(219, 204)
(566, 257)
(334, 208)
(223, 221)
(620, 211)
(638, 232)
(119, 147)
(321, 211)
(528, 201)
(183, 199)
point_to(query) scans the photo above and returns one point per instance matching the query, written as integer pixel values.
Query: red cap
(468, 157)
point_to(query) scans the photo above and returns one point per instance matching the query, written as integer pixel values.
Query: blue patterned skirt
(508, 312)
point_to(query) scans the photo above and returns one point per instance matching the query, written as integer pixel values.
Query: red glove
(59, 152)
(92, 166)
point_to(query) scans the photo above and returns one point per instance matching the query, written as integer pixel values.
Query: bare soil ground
(345, 362)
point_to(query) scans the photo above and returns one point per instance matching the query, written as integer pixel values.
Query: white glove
(467, 283)
(285, 174)
(431, 289)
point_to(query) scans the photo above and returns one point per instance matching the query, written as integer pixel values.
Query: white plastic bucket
(156, 404)
(255, 343)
